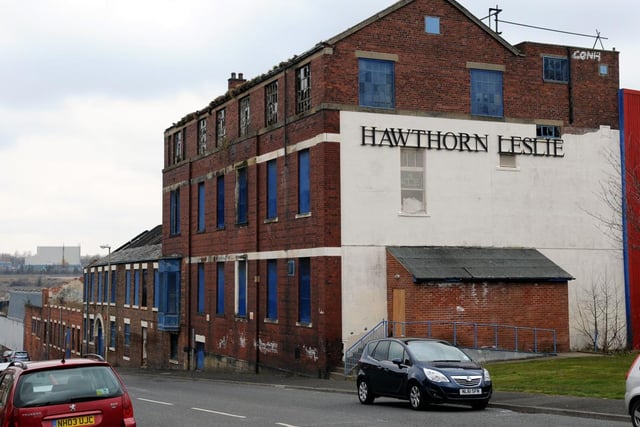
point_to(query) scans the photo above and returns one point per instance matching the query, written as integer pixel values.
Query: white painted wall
(546, 203)
(11, 333)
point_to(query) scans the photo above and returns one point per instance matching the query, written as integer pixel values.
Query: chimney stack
(236, 81)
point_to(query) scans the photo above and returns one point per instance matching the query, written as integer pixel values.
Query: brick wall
(524, 305)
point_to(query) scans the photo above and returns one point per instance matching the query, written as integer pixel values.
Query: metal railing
(486, 336)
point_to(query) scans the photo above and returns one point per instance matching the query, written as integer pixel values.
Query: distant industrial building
(54, 257)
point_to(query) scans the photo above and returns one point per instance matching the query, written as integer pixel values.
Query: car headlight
(435, 376)
(487, 376)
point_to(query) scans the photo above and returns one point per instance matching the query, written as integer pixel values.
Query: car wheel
(479, 406)
(634, 410)
(364, 392)
(416, 398)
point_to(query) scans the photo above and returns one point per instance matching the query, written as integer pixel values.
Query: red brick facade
(431, 78)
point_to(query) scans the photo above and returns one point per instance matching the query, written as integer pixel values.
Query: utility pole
(107, 328)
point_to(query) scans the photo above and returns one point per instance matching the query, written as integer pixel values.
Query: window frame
(304, 182)
(413, 169)
(304, 291)
(242, 196)
(555, 69)
(202, 135)
(272, 289)
(127, 287)
(272, 189)
(221, 126)
(303, 88)
(220, 202)
(244, 119)
(220, 288)
(241, 288)
(376, 86)
(201, 226)
(271, 103)
(174, 212)
(200, 302)
(484, 102)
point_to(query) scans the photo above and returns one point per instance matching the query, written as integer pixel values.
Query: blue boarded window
(100, 286)
(242, 202)
(241, 295)
(486, 93)
(136, 288)
(555, 69)
(91, 287)
(304, 290)
(86, 288)
(272, 189)
(169, 291)
(376, 83)
(113, 286)
(156, 287)
(200, 288)
(220, 288)
(127, 334)
(201, 207)
(272, 289)
(112, 334)
(174, 212)
(127, 287)
(432, 24)
(220, 202)
(304, 182)
(105, 281)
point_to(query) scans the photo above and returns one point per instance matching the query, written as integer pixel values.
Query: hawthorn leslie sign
(461, 141)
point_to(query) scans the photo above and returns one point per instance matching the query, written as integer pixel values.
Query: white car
(632, 394)
(3, 366)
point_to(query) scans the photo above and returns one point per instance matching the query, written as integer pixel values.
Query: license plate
(470, 391)
(88, 420)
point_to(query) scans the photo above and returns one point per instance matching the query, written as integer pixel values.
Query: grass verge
(600, 376)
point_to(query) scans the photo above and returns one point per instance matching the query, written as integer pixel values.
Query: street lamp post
(108, 325)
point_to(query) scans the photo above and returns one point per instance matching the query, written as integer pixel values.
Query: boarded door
(398, 315)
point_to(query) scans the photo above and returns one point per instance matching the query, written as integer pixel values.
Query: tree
(601, 317)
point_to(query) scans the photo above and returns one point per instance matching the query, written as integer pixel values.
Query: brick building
(419, 127)
(53, 324)
(121, 304)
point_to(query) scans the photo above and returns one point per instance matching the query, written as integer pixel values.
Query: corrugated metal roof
(446, 263)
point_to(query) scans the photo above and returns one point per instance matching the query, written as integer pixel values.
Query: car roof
(56, 363)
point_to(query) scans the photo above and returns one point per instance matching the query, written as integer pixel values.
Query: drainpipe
(570, 87)
(190, 334)
(625, 225)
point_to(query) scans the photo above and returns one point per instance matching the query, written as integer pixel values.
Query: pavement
(603, 409)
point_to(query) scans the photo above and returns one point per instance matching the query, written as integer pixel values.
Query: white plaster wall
(546, 203)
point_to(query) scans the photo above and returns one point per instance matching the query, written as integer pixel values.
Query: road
(164, 401)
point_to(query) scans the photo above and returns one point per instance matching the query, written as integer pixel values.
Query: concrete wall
(11, 333)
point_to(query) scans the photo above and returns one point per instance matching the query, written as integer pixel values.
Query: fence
(474, 335)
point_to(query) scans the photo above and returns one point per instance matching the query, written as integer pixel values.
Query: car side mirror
(399, 362)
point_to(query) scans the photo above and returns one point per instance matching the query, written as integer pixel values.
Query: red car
(60, 393)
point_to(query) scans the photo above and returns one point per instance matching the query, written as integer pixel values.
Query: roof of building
(146, 246)
(454, 264)
(331, 42)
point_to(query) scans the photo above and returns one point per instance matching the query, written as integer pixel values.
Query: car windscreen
(74, 384)
(434, 351)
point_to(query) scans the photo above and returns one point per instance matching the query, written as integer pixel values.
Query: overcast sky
(87, 88)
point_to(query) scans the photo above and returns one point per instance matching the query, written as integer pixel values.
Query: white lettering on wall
(586, 55)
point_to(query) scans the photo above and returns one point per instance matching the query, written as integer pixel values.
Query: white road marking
(285, 425)
(218, 413)
(155, 401)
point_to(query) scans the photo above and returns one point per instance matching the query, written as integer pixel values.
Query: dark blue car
(422, 371)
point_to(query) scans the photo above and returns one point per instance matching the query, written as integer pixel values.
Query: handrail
(474, 335)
